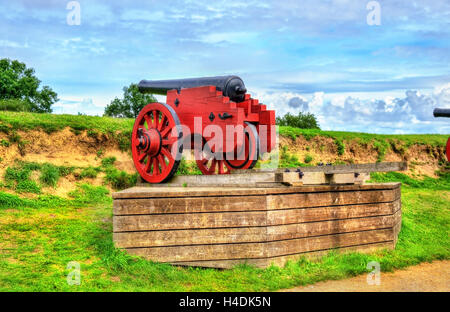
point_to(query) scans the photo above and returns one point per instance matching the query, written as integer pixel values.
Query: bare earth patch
(425, 277)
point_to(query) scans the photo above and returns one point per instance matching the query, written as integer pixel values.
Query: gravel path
(428, 277)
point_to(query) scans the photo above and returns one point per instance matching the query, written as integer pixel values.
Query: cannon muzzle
(231, 86)
(441, 112)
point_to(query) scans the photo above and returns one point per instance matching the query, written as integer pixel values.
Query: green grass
(49, 175)
(425, 182)
(41, 236)
(365, 138)
(188, 168)
(51, 122)
(10, 122)
(28, 186)
(118, 179)
(89, 172)
(108, 161)
(308, 159)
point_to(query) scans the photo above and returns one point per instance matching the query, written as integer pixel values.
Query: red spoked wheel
(207, 160)
(247, 156)
(156, 143)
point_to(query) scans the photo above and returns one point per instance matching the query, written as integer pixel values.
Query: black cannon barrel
(441, 112)
(231, 86)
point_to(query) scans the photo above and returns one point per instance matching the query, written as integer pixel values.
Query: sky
(367, 66)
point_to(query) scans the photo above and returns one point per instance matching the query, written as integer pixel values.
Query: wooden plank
(154, 222)
(292, 216)
(188, 221)
(249, 234)
(252, 203)
(282, 260)
(261, 250)
(188, 205)
(190, 237)
(302, 200)
(171, 192)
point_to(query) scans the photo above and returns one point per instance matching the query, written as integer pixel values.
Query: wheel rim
(207, 162)
(156, 147)
(250, 148)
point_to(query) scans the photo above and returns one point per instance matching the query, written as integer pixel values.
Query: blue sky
(316, 56)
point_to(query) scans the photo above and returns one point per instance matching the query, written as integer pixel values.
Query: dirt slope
(83, 149)
(422, 159)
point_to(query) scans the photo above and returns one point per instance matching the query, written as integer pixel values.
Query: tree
(132, 103)
(302, 121)
(17, 82)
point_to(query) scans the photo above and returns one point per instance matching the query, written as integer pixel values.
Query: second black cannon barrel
(441, 112)
(231, 86)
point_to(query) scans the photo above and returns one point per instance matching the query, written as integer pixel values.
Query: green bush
(4, 128)
(5, 143)
(108, 161)
(124, 140)
(28, 186)
(16, 174)
(49, 175)
(15, 105)
(64, 171)
(340, 147)
(302, 121)
(32, 166)
(14, 137)
(92, 134)
(89, 172)
(308, 158)
(89, 194)
(382, 147)
(120, 179)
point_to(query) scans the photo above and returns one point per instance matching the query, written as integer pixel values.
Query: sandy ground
(425, 277)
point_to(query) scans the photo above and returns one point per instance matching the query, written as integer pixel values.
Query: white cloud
(412, 113)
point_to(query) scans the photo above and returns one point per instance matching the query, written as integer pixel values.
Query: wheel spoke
(166, 153)
(165, 131)
(156, 119)
(163, 120)
(142, 156)
(149, 162)
(149, 121)
(169, 141)
(162, 162)
(155, 166)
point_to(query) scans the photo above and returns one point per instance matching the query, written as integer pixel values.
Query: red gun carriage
(214, 116)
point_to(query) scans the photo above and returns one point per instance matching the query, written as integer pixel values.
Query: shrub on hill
(302, 121)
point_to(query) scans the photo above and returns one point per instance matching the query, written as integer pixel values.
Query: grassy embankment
(42, 234)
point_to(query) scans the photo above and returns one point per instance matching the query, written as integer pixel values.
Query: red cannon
(213, 116)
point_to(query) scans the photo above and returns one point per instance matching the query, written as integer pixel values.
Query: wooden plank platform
(222, 227)
(317, 175)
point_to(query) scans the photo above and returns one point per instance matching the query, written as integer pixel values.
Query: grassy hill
(57, 173)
